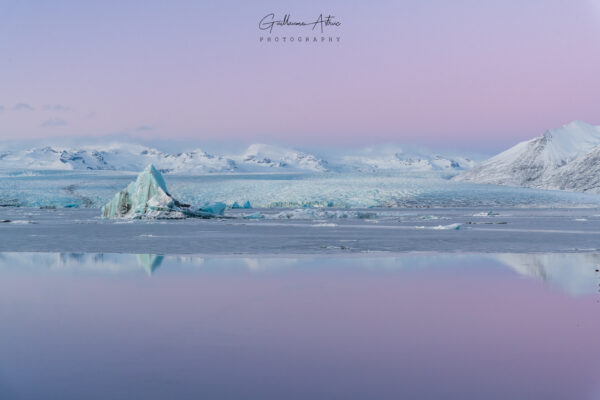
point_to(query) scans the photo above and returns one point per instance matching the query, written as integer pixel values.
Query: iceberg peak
(148, 197)
(148, 193)
(155, 176)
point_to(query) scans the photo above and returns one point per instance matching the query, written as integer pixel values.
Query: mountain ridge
(564, 158)
(256, 158)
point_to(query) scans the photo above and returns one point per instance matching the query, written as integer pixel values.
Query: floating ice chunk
(486, 214)
(237, 205)
(365, 215)
(213, 208)
(148, 197)
(311, 213)
(255, 215)
(448, 227)
(428, 217)
(301, 213)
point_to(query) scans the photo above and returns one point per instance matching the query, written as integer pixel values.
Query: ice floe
(315, 213)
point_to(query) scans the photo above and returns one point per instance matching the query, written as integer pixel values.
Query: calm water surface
(422, 326)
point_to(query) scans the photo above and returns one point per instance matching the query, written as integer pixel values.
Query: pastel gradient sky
(475, 73)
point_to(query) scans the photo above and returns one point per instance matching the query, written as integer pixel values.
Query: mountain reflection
(573, 273)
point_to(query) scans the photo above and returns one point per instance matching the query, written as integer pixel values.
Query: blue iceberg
(148, 197)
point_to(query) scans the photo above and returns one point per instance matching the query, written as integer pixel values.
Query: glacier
(148, 197)
(388, 189)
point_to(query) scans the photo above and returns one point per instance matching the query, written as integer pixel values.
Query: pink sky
(460, 73)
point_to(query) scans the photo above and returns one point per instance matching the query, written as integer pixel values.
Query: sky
(465, 73)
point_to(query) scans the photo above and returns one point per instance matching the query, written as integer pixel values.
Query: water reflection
(573, 273)
(413, 326)
(150, 262)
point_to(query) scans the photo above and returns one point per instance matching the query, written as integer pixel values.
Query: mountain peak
(276, 156)
(575, 129)
(541, 162)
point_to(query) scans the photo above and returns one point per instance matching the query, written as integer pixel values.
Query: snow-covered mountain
(115, 157)
(132, 157)
(564, 158)
(256, 158)
(406, 162)
(264, 155)
(51, 158)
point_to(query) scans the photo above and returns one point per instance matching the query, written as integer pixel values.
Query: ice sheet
(354, 190)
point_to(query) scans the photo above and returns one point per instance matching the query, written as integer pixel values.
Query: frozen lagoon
(309, 231)
(377, 212)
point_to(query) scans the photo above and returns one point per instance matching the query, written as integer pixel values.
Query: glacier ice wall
(338, 190)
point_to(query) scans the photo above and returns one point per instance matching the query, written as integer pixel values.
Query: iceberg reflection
(150, 262)
(573, 273)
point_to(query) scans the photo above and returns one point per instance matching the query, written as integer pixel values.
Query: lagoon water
(409, 326)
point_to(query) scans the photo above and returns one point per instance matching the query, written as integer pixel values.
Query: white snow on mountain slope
(256, 158)
(114, 157)
(133, 157)
(196, 161)
(264, 155)
(581, 175)
(51, 158)
(372, 161)
(562, 158)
